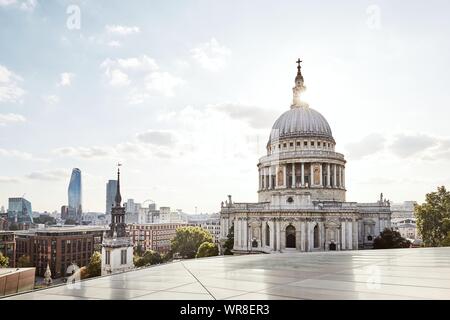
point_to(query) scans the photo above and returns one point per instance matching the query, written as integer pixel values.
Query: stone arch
(316, 236)
(290, 236)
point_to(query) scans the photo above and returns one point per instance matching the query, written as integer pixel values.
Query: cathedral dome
(301, 121)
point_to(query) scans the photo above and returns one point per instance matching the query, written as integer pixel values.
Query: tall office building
(19, 210)
(74, 195)
(111, 187)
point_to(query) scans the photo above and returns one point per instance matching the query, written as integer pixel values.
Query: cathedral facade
(301, 196)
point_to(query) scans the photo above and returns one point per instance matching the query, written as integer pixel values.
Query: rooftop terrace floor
(367, 274)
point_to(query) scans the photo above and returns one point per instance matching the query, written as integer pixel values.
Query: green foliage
(389, 239)
(139, 251)
(229, 243)
(4, 261)
(150, 257)
(43, 219)
(207, 249)
(94, 268)
(433, 218)
(187, 240)
(24, 262)
(70, 221)
(13, 226)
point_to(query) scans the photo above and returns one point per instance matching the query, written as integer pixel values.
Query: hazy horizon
(184, 96)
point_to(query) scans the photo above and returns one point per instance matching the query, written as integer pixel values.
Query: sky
(184, 95)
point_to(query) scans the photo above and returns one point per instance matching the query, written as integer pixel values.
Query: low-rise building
(58, 246)
(153, 236)
(8, 246)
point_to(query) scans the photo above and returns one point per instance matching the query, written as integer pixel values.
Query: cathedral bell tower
(117, 249)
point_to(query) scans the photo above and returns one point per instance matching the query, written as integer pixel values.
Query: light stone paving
(367, 274)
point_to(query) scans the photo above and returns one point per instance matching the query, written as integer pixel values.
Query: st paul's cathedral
(301, 195)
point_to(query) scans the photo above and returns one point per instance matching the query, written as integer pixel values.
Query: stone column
(236, 233)
(334, 176)
(343, 238)
(279, 234)
(274, 235)
(343, 177)
(320, 175)
(340, 176)
(349, 244)
(328, 175)
(270, 177)
(298, 245)
(285, 184)
(266, 178)
(306, 236)
(293, 175)
(302, 236)
(303, 174)
(355, 234)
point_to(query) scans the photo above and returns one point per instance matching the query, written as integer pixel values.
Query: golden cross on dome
(298, 62)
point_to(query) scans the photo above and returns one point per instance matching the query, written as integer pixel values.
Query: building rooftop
(422, 273)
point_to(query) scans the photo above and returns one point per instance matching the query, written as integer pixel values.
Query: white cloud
(122, 30)
(10, 118)
(405, 145)
(118, 78)
(28, 5)
(160, 138)
(15, 154)
(9, 86)
(49, 175)
(51, 99)
(25, 5)
(4, 179)
(85, 152)
(256, 117)
(211, 55)
(66, 79)
(114, 44)
(370, 144)
(4, 3)
(144, 72)
(163, 83)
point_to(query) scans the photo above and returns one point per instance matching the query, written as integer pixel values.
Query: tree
(150, 257)
(70, 221)
(207, 249)
(139, 251)
(24, 262)
(13, 226)
(389, 239)
(229, 243)
(433, 218)
(45, 219)
(187, 240)
(94, 268)
(4, 261)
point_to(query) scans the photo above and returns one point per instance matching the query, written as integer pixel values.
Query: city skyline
(188, 113)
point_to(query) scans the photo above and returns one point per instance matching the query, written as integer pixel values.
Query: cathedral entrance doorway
(332, 246)
(290, 236)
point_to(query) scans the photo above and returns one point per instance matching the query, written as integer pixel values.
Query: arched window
(290, 236)
(316, 236)
(267, 235)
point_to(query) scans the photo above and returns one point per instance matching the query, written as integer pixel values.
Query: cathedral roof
(301, 120)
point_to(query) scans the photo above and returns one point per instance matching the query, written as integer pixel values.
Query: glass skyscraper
(19, 210)
(111, 187)
(74, 195)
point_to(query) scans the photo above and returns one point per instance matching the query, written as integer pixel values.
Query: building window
(298, 143)
(312, 143)
(291, 144)
(318, 144)
(284, 145)
(123, 257)
(108, 258)
(305, 143)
